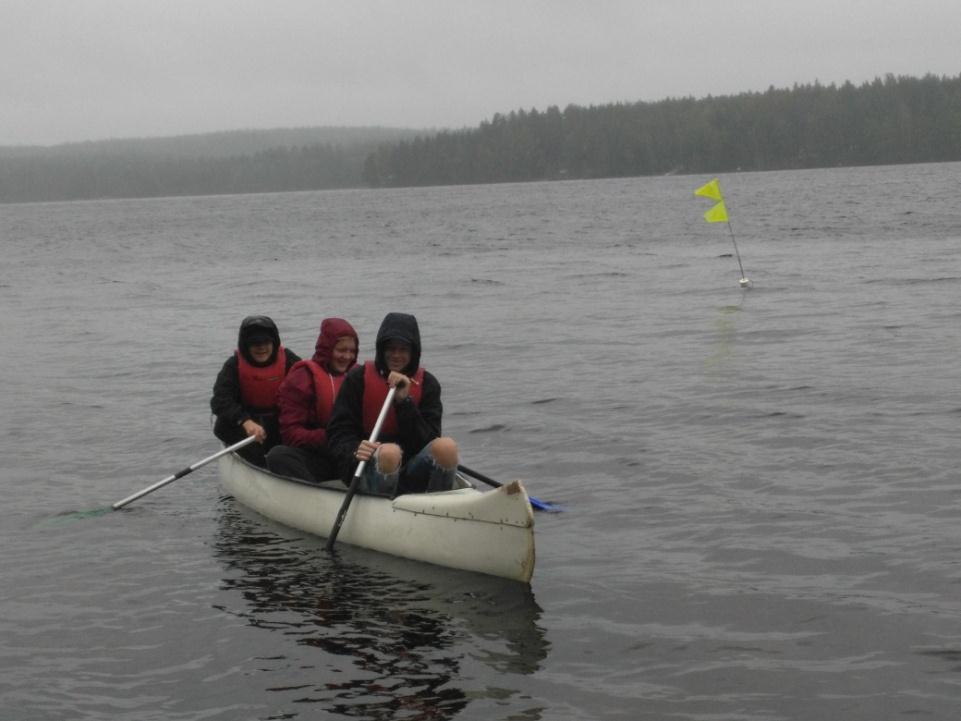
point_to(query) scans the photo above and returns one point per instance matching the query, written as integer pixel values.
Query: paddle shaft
(536, 503)
(180, 474)
(355, 481)
(480, 476)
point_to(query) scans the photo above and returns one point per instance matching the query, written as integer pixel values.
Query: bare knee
(444, 451)
(388, 457)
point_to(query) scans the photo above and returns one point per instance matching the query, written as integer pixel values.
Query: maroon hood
(332, 330)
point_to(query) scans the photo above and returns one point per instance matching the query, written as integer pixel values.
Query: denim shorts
(420, 475)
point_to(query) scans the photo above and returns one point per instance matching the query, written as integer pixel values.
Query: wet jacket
(417, 423)
(227, 400)
(306, 396)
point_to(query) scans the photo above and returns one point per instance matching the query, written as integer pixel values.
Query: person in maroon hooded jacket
(306, 401)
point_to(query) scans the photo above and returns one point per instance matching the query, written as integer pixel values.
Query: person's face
(397, 355)
(261, 350)
(343, 355)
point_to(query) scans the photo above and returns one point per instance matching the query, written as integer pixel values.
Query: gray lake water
(762, 486)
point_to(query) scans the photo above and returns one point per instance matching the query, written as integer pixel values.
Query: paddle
(535, 503)
(355, 481)
(180, 474)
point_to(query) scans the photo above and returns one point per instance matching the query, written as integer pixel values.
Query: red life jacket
(375, 393)
(258, 385)
(326, 387)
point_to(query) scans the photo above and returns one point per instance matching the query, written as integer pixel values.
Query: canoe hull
(488, 532)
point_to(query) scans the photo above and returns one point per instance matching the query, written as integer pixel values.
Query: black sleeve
(291, 358)
(345, 429)
(225, 402)
(421, 424)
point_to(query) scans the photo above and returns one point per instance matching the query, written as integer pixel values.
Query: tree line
(886, 121)
(246, 161)
(112, 175)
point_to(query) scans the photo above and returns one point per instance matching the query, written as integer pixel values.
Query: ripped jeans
(421, 475)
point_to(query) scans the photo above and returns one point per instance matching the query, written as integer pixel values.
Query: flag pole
(718, 214)
(744, 281)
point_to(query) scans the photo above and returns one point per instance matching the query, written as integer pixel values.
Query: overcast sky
(73, 70)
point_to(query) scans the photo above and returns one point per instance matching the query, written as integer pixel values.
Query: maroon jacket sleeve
(298, 416)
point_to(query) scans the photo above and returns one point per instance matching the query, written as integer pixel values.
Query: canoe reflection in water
(368, 635)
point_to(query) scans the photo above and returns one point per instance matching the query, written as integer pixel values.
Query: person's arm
(345, 430)
(298, 418)
(291, 359)
(226, 402)
(420, 424)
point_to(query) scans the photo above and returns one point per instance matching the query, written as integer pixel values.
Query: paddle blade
(67, 516)
(539, 505)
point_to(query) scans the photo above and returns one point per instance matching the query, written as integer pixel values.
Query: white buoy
(745, 282)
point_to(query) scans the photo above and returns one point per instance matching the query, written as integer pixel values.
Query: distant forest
(241, 161)
(887, 121)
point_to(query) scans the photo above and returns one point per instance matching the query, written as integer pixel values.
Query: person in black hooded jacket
(410, 455)
(245, 392)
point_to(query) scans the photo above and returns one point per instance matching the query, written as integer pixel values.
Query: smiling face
(343, 354)
(261, 351)
(397, 355)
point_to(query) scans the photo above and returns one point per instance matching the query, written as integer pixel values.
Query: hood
(252, 326)
(398, 326)
(332, 330)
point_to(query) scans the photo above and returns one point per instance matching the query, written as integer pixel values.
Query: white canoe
(488, 532)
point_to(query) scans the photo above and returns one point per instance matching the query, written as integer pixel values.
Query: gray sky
(74, 70)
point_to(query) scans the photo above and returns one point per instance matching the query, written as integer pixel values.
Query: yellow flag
(717, 214)
(710, 190)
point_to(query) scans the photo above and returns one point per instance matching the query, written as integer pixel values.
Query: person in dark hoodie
(245, 392)
(306, 401)
(411, 455)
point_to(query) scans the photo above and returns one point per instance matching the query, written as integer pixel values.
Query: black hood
(402, 327)
(251, 327)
